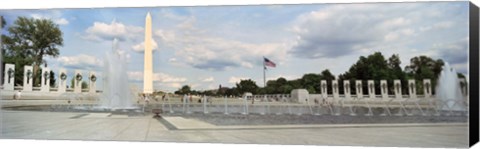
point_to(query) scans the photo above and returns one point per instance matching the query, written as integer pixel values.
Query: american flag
(269, 63)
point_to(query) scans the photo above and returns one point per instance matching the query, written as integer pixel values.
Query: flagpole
(264, 68)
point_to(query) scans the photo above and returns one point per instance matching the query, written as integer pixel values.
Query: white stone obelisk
(148, 71)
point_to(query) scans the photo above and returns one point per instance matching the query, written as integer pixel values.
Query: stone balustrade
(348, 91)
(62, 80)
(357, 91)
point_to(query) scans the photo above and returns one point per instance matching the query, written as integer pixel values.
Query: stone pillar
(91, 85)
(335, 91)
(323, 88)
(346, 88)
(397, 85)
(27, 78)
(371, 89)
(384, 89)
(77, 81)
(9, 77)
(62, 81)
(412, 91)
(427, 88)
(358, 87)
(45, 81)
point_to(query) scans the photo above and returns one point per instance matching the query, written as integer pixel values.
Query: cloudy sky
(207, 46)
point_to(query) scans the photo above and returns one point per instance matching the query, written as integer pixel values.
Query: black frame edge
(474, 74)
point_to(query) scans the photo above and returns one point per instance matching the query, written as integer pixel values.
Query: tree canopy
(2, 22)
(28, 41)
(184, 90)
(247, 86)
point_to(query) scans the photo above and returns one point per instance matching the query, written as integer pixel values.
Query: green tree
(286, 89)
(221, 90)
(423, 67)
(12, 54)
(271, 87)
(311, 82)
(261, 90)
(38, 77)
(19, 60)
(297, 83)
(29, 41)
(72, 82)
(329, 77)
(2, 22)
(232, 92)
(396, 72)
(247, 86)
(279, 86)
(373, 67)
(52, 79)
(282, 86)
(184, 90)
(84, 85)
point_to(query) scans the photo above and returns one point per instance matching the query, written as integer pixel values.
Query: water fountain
(282, 101)
(116, 92)
(310, 107)
(184, 102)
(245, 108)
(226, 105)
(205, 110)
(448, 90)
(264, 106)
(289, 108)
(169, 104)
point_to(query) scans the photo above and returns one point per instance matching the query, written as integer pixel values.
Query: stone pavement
(105, 126)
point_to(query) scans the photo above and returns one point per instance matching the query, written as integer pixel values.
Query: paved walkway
(105, 126)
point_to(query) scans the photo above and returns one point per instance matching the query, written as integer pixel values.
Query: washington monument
(147, 74)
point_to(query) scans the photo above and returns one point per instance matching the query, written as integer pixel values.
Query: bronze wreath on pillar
(93, 78)
(63, 76)
(78, 77)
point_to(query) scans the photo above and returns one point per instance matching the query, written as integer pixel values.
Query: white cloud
(169, 14)
(54, 17)
(135, 75)
(173, 85)
(103, 31)
(172, 60)
(157, 77)
(339, 30)
(62, 21)
(234, 80)
(37, 16)
(141, 47)
(208, 79)
(188, 24)
(287, 77)
(454, 52)
(440, 25)
(198, 49)
(166, 78)
(81, 61)
(165, 36)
